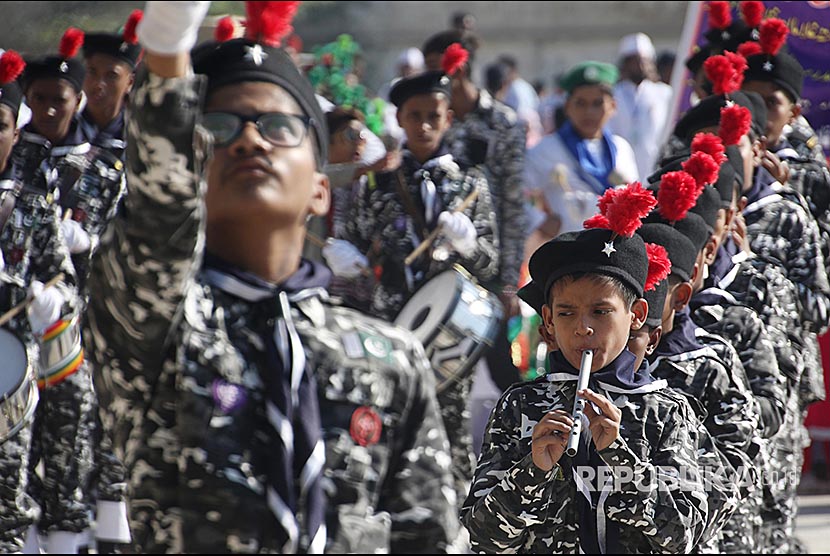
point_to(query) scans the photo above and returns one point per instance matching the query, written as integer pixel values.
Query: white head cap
(638, 43)
(411, 57)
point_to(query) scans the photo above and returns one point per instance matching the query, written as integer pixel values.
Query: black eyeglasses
(283, 130)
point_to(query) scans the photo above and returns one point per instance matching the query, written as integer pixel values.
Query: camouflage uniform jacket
(809, 174)
(514, 506)
(720, 398)
(387, 455)
(33, 250)
(782, 232)
(180, 363)
(720, 394)
(381, 225)
(753, 342)
(491, 136)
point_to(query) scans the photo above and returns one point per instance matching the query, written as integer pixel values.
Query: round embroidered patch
(365, 426)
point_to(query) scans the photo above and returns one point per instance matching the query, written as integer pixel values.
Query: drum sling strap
(412, 211)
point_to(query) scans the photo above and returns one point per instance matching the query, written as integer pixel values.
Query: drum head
(13, 352)
(431, 306)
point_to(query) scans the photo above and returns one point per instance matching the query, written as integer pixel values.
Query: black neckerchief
(680, 340)
(110, 137)
(761, 188)
(290, 389)
(619, 375)
(73, 137)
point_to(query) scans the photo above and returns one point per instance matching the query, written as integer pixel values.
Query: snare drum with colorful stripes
(61, 353)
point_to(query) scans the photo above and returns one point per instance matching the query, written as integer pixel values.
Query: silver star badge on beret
(64, 67)
(255, 54)
(609, 248)
(444, 80)
(729, 103)
(767, 66)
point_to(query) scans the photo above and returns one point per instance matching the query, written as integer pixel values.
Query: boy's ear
(682, 296)
(547, 320)
(639, 313)
(654, 339)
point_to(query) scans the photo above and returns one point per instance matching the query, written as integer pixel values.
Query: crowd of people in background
(255, 307)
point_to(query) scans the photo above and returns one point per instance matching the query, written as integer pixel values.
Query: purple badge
(400, 223)
(228, 396)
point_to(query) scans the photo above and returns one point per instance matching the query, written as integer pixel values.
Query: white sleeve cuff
(63, 542)
(111, 522)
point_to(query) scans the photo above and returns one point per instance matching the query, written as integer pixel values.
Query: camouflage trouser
(108, 478)
(18, 511)
(62, 443)
(457, 420)
(780, 508)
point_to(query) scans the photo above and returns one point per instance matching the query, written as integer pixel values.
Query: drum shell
(61, 353)
(20, 396)
(467, 318)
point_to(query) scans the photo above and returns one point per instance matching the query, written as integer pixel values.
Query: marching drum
(456, 320)
(18, 392)
(61, 353)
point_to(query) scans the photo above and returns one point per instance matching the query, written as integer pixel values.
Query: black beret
(532, 294)
(727, 176)
(673, 163)
(681, 250)
(707, 206)
(591, 251)
(112, 45)
(421, 84)
(694, 63)
(730, 38)
(781, 69)
(706, 113)
(241, 60)
(656, 298)
(11, 95)
(55, 67)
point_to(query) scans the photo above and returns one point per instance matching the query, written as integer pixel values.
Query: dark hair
(339, 117)
(438, 43)
(494, 77)
(628, 295)
(509, 61)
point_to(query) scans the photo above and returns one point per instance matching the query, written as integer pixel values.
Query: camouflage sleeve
(483, 262)
(361, 220)
(807, 270)
(150, 253)
(754, 344)
(508, 183)
(731, 416)
(660, 497)
(509, 493)
(419, 495)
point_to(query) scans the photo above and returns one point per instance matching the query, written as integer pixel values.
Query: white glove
(63, 542)
(111, 522)
(76, 237)
(45, 308)
(171, 27)
(460, 230)
(344, 259)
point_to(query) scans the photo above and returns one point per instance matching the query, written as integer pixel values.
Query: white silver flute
(579, 402)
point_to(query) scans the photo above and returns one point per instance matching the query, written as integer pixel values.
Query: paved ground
(813, 522)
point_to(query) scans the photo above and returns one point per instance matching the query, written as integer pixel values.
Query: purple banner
(808, 41)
